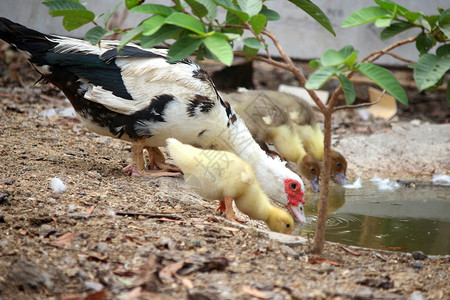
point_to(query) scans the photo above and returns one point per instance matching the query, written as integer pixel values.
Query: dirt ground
(111, 236)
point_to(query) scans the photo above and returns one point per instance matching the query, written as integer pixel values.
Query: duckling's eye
(288, 225)
(339, 164)
(313, 170)
(293, 185)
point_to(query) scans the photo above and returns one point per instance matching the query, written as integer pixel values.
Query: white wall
(299, 34)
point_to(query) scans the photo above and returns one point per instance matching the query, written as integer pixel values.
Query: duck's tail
(34, 44)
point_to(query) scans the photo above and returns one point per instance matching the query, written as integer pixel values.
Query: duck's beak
(315, 184)
(298, 212)
(339, 178)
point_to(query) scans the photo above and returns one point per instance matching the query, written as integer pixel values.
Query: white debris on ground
(57, 185)
(357, 184)
(385, 184)
(65, 112)
(441, 179)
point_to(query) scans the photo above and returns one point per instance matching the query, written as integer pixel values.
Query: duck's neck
(254, 203)
(238, 139)
(287, 143)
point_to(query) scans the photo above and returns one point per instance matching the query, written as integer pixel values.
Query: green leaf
(349, 90)
(351, 55)
(351, 59)
(110, 13)
(129, 36)
(391, 6)
(320, 77)
(429, 70)
(258, 23)
(231, 8)
(271, 15)
(132, 3)
(153, 9)
(444, 22)
(95, 34)
(365, 15)
(347, 50)
(251, 51)
(443, 51)
(254, 43)
(251, 7)
(197, 8)
(315, 12)
(384, 79)
(187, 22)
(314, 64)
(232, 19)
(164, 33)
(220, 48)
(63, 5)
(395, 29)
(74, 18)
(383, 22)
(183, 48)
(424, 42)
(153, 24)
(211, 7)
(332, 58)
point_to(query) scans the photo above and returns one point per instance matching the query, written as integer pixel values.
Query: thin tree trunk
(319, 237)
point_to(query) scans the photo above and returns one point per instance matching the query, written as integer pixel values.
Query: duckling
(222, 175)
(290, 123)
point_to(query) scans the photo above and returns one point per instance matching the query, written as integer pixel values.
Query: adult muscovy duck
(136, 95)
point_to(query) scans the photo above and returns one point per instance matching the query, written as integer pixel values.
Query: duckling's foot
(226, 206)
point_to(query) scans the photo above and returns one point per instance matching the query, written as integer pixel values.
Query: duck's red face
(294, 191)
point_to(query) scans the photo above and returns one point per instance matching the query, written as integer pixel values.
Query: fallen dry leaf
(254, 292)
(99, 295)
(64, 239)
(168, 271)
(133, 294)
(318, 260)
(90, 209)
(352, 252)
(185, 281)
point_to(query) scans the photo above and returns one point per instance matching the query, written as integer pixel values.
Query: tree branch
(375, 55)
(292, 68)
(359, 105)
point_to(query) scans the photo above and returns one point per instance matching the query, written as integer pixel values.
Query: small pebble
(4, 198)
(418, 255)
(417, 266)
(92, 285)
(288, 251)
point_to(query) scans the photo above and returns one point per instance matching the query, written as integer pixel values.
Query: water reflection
(406, 219)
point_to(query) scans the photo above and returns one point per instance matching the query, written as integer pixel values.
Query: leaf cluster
(192, 25)
(430, 69)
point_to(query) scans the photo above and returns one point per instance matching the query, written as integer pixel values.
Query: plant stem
(319, 237)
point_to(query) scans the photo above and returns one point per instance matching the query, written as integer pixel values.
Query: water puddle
(383, 215)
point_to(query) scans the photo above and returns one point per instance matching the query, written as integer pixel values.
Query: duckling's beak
(315, 184)
(298, 212)
(339, 178)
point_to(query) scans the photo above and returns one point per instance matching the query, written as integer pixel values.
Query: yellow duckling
(224, 176)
